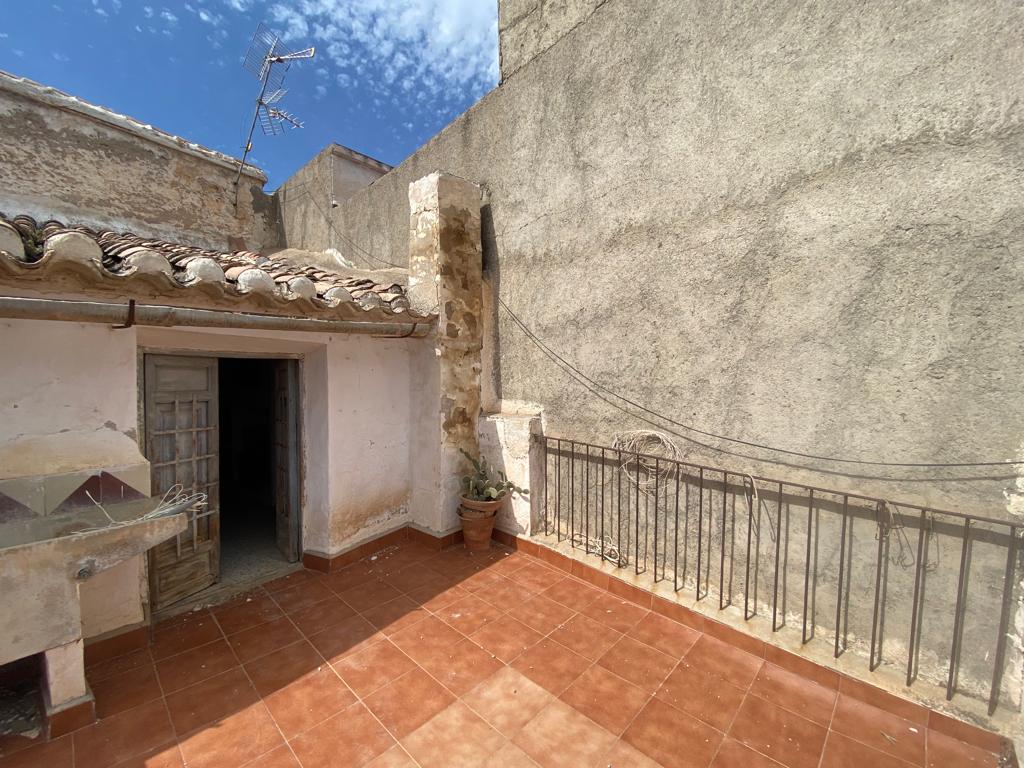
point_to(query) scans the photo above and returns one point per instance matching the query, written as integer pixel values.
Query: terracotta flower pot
(477, 522)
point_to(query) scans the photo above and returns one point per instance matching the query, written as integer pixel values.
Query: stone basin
(43, 561)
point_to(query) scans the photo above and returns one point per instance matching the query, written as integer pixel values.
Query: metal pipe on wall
(151, 315)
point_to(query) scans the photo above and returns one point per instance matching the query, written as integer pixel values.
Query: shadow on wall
(491, 381)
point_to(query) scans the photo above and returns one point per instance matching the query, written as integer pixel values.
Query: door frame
(299, 408)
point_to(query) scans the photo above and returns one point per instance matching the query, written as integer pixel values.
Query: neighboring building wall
(527, 28)
(308, 199)
(813, 251)
(72, 161)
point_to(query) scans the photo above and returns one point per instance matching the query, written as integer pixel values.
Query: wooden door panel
(182, 447)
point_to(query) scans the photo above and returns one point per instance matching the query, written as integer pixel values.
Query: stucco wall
(787, 223)
(527, 28)
(77, 163)
(69, 390)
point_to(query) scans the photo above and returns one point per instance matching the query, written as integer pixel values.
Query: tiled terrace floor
(446, 659)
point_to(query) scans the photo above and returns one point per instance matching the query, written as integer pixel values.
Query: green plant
(481, 485)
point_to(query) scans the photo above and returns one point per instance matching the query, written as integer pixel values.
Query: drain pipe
(126, 315)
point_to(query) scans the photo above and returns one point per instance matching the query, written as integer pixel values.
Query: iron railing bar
(675, 530)
(807, 567)
(778, 555)
(655, 522)
(882, 532)
(547, 520)
(842, 565)
(586, 505)
(958, 623)
(915, 606)
(700, 531)
(1004, 620)
(636, 509)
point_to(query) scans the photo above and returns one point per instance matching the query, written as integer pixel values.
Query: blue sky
(388, 74)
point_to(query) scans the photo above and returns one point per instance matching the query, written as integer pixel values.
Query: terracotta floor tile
(396, 615)
(247, 611)
(454, 738)
(210, 700)
(180, 621)
(407, 702)
(281, 757)
(586, 637)
(625, 755)
(506, 594)
(199, 631)
(945, 751)
(510, 563)
(843, 752)
(126, 690)
(506, 638)
(793, 740)
(54, 754)
(430, 640)
(468, 614)
(732, 754)
(706, 697)
(671, 738)
(466, 665)
(250, 644)
(284, 666)
(560, 737)
(605, 698)
(302, 596)
(308, 701)
(122, 736)
(542, 614)
(291, 579)
(233, 741)
(324, 614)
(509, 756)
(572, 593)
(168, 756)
(369, 594)
(373, 667)
(351, 738)
(724, 661)
(639, 663)
(508, 700)
(346, 637)
(194, 666)
(667, 636)
(348, 578)
(620, 615)
(115, 666)
(396, 757)
(879, 729)
(795, 693)
(413, 577)
(434, 599)
(552, 666)
(536, 577)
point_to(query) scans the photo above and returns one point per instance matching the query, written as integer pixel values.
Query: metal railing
(869, 567)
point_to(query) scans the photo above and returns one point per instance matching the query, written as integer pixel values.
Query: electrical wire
(590, 384)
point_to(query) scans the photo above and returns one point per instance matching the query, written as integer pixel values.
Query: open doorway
(248, 518)
(226, 427)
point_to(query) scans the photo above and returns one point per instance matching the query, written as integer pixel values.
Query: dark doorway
(249, 448)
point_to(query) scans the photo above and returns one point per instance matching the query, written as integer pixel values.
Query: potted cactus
(482, 497)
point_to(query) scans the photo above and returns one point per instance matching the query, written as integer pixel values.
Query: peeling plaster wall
(67, 160)
(75, 381)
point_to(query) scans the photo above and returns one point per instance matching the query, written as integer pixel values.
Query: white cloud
(148, 11)
(18, 52)
(60, 57)
(4, 35)
(321, 91)
(169, 17)
(444, 45)
(210, 18)
(240, 5)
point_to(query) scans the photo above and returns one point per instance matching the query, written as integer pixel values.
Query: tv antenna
(268, 60)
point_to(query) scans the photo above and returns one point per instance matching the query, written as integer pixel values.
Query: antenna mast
(268, 60)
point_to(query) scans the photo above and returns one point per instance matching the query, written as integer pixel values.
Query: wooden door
(286, 457)
(182, 445)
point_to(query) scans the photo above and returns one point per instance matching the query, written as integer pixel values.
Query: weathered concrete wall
(779, 222)
(73, 161)
(527, 28)
(307, 201)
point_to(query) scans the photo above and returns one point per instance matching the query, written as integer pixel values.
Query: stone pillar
(445, 276)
